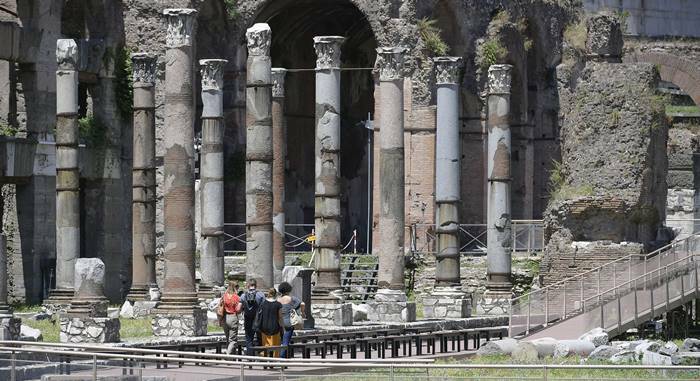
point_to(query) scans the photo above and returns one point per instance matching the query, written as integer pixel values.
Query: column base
(143, 308)
(447, 302)
(138, 293)
(209, 292)
(187, 323)
(494, 303)
(336, 314)
(89, 330)
(58, 301)
(88, 308)
(391, 306)
(10, 327)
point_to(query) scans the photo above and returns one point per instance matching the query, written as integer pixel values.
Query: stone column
(391, 302)
(143, 177)
(179, 313)
(212, 178)
(86, 320)
(279, 157)
(498, 283)
(327, 149)
(447, 298)
(10, 326)
(67, 176)
(258, 175)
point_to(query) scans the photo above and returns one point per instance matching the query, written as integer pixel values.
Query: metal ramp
(617, 296)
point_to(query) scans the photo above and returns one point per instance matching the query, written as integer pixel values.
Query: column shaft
(259, 157)
(327, 148)
(499, 198)
(67, 176)
(447, 165)
(391, 170)
(279, 157)
(4, 307)
(143, 177)
(212, 177)
(178, 165)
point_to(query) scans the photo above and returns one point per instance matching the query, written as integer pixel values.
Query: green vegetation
(92, 131)
(576, 34)
(123, 90)
(623, 17)
(49, 328)
(492, 52)
(567, 192)
(556, 176)
(673, 109)
(232, 9)
(430, 34)
(7, 130)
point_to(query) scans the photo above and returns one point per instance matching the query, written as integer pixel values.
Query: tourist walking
(228, 313)
(270, 321)
(251, 300)
(292, 314)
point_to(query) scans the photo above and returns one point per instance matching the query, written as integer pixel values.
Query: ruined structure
(609, 198)
(279, 161)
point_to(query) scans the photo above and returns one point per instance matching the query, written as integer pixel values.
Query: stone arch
(672, 68)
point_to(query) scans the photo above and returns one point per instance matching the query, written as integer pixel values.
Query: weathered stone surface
(624, 356)
(604, 352)
(89, 330)
(597, 336)
(144, 308)
(446, 303)
(525, 353)
(180, 325)
(545, 346)
(391, 311)
(691, 345)
(10, 328)
(566, 348)
(686, 358)
(647, 345)
(127, 310)
(359, 312)
(653, 358)
(338, 314)
(28, 333)
(505, 346)
(669, 348)
(604, 35)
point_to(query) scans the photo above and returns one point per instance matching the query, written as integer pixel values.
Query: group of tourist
(269, 318)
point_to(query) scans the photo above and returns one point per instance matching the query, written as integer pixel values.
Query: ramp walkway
(617, 296)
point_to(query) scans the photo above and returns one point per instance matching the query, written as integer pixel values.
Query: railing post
(141, 366)
(629, 269)
(510, 318)
(94, 367)
(529, 303)
(602, 316)
(636, 308)
(598, 280)
(581, 297)
(13, 376)
(391, 369)
(619, 312)
(666, 282)
(546, 307)
(242, 377)
(563, 316)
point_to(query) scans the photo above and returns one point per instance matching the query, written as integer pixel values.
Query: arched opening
(294, 23)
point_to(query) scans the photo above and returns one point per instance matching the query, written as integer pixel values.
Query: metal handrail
(621, 259)
(221, 356)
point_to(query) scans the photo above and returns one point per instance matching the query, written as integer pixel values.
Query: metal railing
(103, 359)
(568, 298)
(527, 237)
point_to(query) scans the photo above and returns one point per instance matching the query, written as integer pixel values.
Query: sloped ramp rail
(616, 296)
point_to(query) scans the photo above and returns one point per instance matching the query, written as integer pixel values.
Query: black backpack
(251, 305)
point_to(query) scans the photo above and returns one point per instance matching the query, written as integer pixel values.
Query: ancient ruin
(416, 170)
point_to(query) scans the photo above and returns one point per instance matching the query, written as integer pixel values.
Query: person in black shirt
(270, 327)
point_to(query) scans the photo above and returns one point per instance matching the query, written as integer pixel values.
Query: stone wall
(682, 202)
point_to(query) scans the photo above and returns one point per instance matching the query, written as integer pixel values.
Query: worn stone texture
(338, 314)
(180, 325)
(89, 330)
(10, 328)
(612, 181)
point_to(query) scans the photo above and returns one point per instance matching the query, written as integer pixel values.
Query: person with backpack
(227, 311)
(292, 314)
(269, 321)
(252, 299)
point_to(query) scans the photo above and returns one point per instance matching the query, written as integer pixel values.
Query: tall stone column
(212, 178)
(498, 284)
(67, 176)
(279, 157)
(447, 298)
(391, 301)
(327, 149)
(258, 174)
(143, 177)
(179, 313)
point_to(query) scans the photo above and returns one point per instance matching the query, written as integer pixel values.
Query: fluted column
(499, 178)
(178, 164)
(67, 176)
(259, 262)
(143, 176)
(327, 190)
(390, 62)
(212, 177)
(279, 157)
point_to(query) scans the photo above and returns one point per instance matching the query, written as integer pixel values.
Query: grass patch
(135, 328)
(50, 330)
(673, 109)
(492, 52)
(567, 192)
(26, 308)
(430, 34)
(576, 34)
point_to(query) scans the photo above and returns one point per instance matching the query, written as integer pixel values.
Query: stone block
(442, 307)
(185, 324)
(597, 336)
(89, 330)
(505, 346)
(686, 358)
(338, 314)
(144, 307)
(653, 358)
(497, 304)
(604, 352)
(10, 328)
(30, 334)
(391, 311)
(604, 36)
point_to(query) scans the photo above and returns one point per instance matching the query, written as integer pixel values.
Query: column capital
(67, 54)
(499, 79)
(328, 51)
(390, 62)
(181, 24)
(447, 70)
(278, 75)
(212, 74)
(259, 37)
(144, 68)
